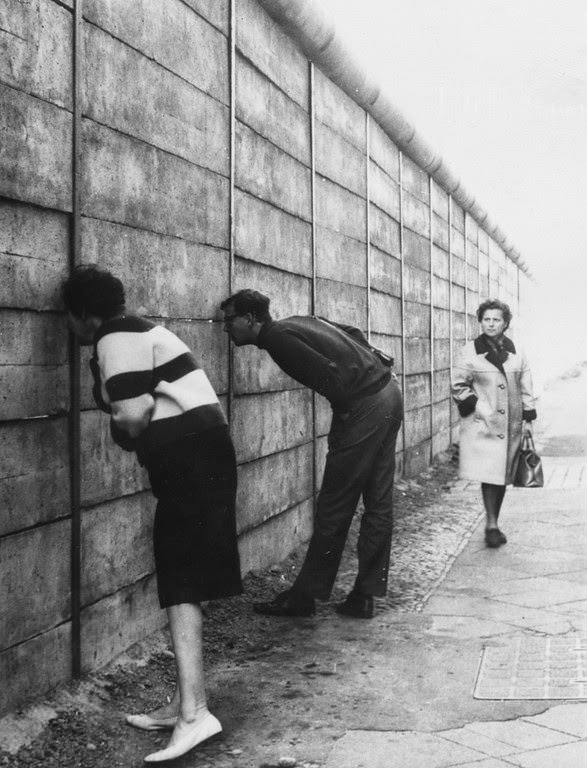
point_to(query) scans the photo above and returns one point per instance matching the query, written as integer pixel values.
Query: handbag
(529, 472)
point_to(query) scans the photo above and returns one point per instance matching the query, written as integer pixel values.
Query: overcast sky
(499, 89)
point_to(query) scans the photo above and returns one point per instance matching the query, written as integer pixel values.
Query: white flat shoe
(148, 723)
(193, 735)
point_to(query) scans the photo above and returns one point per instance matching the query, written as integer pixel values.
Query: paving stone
(521, 734)
(564, 756)
(569, 718)
(477, 741)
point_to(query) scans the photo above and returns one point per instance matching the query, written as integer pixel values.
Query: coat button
(501, 437)
(502, 386)
(501, 410)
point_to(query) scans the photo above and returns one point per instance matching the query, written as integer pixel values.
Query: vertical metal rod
(231, 195)
(368, 219)
(450, 308)
(466, 283)
(432, 379)
(478, 266)
(312, 116)
(402, 294)
(74, 354)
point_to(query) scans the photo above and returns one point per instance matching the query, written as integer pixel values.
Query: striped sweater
(133, 357)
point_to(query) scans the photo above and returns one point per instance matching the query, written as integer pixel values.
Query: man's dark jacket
(325, 359)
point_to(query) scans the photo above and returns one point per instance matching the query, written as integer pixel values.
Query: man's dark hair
(249, 301)
(93, 291)
(495, 304)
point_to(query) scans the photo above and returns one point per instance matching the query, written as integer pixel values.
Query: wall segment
(194, 149)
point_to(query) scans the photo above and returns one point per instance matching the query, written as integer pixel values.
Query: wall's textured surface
(328, 217)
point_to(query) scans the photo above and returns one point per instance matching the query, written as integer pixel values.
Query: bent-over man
(367, 413)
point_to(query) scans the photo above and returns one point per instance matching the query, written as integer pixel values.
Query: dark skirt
(195, 542)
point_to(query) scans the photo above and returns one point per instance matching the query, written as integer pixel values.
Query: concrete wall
(328, 217)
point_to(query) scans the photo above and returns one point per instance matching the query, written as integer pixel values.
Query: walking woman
(492, 388)
(163, 407)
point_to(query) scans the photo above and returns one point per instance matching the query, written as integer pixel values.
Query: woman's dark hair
(249, 301)
(495, 304)
(93, 291)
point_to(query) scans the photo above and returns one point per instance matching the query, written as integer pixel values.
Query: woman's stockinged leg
(493, 496)
(194, 722)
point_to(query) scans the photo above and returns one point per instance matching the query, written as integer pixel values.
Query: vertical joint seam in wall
(368, 220)
(74, 351)
(312, 118)
(402, 298)
(431, 331)
(467, 330)
(450, 312)
(231, 192)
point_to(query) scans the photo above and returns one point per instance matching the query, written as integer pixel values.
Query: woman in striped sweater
(163, 407)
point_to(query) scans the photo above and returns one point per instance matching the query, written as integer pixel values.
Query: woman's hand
(527, 427)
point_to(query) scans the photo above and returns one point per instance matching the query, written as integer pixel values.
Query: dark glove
(122, 438)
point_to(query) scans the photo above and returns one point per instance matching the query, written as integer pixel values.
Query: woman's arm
(527, 392)
(462, 384)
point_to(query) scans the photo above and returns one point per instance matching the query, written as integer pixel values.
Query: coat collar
(482, 347)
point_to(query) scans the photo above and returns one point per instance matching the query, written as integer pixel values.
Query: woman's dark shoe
(288, 603)
(494, 538)
(357, 606)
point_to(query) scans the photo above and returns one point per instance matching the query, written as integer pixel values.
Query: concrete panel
(273, 541)
(441, 353)
(342, 303)
(472, 228)
(440, 262)
(323, 415)
(255, 372)
(416, 284)
(457, 243)
(265, 171)
(417, 392)
(215, 11)
(458, 270)
(172, 35)
(417, 458)
(472, 277)
(339, 257)
(440, 442)
(35, 666)
(441, 384)
(385, 272)
(268, 111)
(391, 345)
(458, 298)
(338, 209)
(383, 151)
(271, 422)
(321, 454)
(117, 546)
(385, 314)
(441, 293)
(116, 622)
(417, 356)
(34, 473)
(416, 215)
(127, 91)
(441, 323)
(472, 254)
(290, 294)
(417, 425)
(33, 390)
(440, 201)
(268, 46)
(416, 250)
(415, 180)
(483, 241)
(268, 235)
(271, 485)
(417, 320)
(32, 338)
(441, 416)
(35, 49)
(458, 217)
(106, 470)
(36, 595)
(127, 181)
(336, 109)
(35, 163)
(458, 325)
(34, 246)
(383, 191)
(339, 160)
(440, 232)
(163, 276)
(384, 232)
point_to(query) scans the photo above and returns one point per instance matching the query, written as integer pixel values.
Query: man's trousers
(360, 461)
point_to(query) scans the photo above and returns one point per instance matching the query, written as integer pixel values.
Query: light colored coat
(493, 403)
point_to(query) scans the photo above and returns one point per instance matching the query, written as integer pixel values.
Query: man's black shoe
(357, 606)
(287, 603)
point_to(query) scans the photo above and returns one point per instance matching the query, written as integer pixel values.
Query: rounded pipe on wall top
(309, 26)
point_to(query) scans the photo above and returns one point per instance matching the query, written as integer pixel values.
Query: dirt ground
(279, 686)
